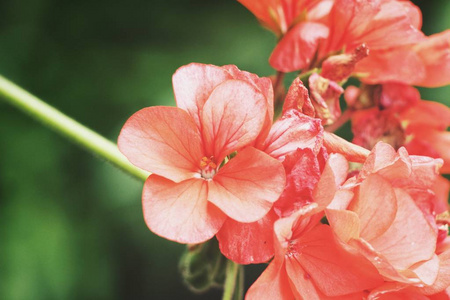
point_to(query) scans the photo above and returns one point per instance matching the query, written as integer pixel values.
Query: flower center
(208, 167)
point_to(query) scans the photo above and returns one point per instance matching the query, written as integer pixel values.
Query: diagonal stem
(69, 128)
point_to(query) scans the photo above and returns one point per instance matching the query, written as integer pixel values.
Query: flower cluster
(264, 174)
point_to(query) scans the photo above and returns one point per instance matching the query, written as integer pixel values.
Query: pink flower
(391, 218)
(310, 263)
(193, 189)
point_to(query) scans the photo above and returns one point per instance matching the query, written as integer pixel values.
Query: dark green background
(71, 226)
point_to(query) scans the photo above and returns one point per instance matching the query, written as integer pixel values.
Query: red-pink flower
(310, 263)
(291, 135)
(391, 218)
(190, 194)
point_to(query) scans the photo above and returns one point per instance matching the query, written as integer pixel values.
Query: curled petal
(292, 131)
(246, 187)
(298, 98)
(232, 118)
(351, 152)
(180, 211)
(164, 141)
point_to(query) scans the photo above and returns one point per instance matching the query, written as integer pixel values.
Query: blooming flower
(190, 194)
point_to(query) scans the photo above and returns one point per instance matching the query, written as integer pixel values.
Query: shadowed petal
(180, 211)
(247, 185)
(162, 140)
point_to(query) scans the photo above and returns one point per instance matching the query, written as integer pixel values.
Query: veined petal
(192, 85)
(247, 185)
(272, 284)
(248, 243)
(232, 117)
(334, 270)
(292, 131)
(376, 206)
(180, 211)
(164, 141)
(410, 238)
(296, 49)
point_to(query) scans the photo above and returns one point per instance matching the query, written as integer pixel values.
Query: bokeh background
(71, 226)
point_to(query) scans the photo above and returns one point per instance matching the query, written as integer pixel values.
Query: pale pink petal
(375, 206)
(428, 270)
(248, 243)
(333, 176)
(272, 284)
(232, 118)
(293, 130)
(342, 199)
(192, 85)
(180, 211)
(443, 279)
(296, 49)
(345, 224)
(334, 270)
(410, 238)
(246, 187)
(164, 141)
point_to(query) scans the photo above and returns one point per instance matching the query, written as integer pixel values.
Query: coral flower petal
(293, 130)
(410, 238)
(180, 211)
(335, 271)
(272, 284)
(232, 117)
(247, 185)
(192, 85)
(162, 140)
(248, 243)
(296, 49)
(375, 206)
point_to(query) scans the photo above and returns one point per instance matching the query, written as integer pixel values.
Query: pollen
(208, 167)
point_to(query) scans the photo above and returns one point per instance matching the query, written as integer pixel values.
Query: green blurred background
(71, 226)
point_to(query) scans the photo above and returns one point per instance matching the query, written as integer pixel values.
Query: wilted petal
(164, 141)
(248, 243)
(293, 130)
(298, 98)
(180, 211)
(232, 117)
(340, 67)
(247, 185)
(351, 152)
(325, 98)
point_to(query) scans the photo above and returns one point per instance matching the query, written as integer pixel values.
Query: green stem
(67, 127)
(232, 276)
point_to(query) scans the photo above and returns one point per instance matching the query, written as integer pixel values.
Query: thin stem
(232, 272)
(67, 127)
(344, 118)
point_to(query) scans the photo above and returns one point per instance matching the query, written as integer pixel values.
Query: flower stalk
(67, 127)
